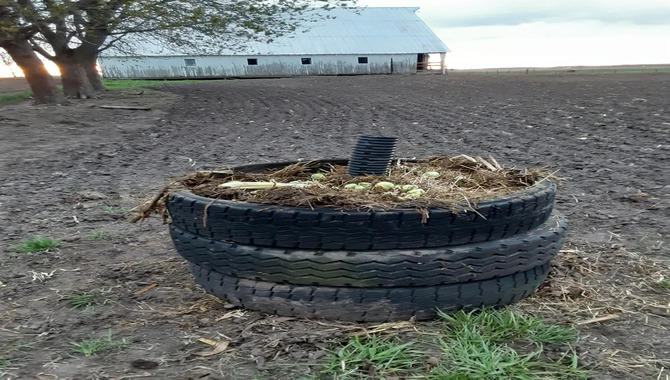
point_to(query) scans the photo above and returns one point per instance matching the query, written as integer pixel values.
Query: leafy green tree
(14, 39)
(72, 33)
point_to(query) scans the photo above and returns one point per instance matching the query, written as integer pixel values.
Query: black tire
(331, 229)
(383, 268)
(368, 304)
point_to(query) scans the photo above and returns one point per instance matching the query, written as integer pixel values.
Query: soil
(73, 173)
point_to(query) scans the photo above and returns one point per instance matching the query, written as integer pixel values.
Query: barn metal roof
(371, 30)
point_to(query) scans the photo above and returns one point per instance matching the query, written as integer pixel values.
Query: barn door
(421, 62)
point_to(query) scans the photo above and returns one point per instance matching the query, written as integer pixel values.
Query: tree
(72, 33)
(14, 39)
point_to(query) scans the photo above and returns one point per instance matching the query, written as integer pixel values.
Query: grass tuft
(15, 97)
(505, 326)
(37, 245)
(122, 84)
(475, 345)
(485, 344)
(84, 299)
(363, 358)
(95, 346)
(479, 359)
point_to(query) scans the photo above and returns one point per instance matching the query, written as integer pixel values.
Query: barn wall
(236, 66)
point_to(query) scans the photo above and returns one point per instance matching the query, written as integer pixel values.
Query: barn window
(362, 59)
(306, 61)
(252, 61)
(189, 62)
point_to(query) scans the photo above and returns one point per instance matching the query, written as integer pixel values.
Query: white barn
(385, 40)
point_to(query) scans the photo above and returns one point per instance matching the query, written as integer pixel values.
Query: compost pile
(453, 183)
(447, 182)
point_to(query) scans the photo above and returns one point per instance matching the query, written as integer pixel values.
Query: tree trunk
(94, 78)
(76, 84)
(40, 81)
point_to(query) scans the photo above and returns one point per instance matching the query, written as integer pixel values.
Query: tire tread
(368, 304)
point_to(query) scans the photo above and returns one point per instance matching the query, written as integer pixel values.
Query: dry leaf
(207, 341)
(218, 348)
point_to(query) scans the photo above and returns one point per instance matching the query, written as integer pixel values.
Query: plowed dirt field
(73, 173)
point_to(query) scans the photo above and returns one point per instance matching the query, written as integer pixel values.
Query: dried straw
(462, 183)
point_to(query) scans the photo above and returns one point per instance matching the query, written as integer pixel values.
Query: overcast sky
(545, 33)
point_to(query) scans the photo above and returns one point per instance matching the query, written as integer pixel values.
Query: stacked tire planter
(367, 265)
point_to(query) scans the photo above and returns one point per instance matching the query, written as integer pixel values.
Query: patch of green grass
(474, 345)
(99, 235)
(37, 245)
(68, 121)
(363, 358)
(476, 358)
(122, 84)
(15, 97)
(19, 96)
(4, 362)
(84, 299)
(485, 344)
(505, 326)
(95, 346)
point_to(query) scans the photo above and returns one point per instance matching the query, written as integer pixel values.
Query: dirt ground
(73, 172)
